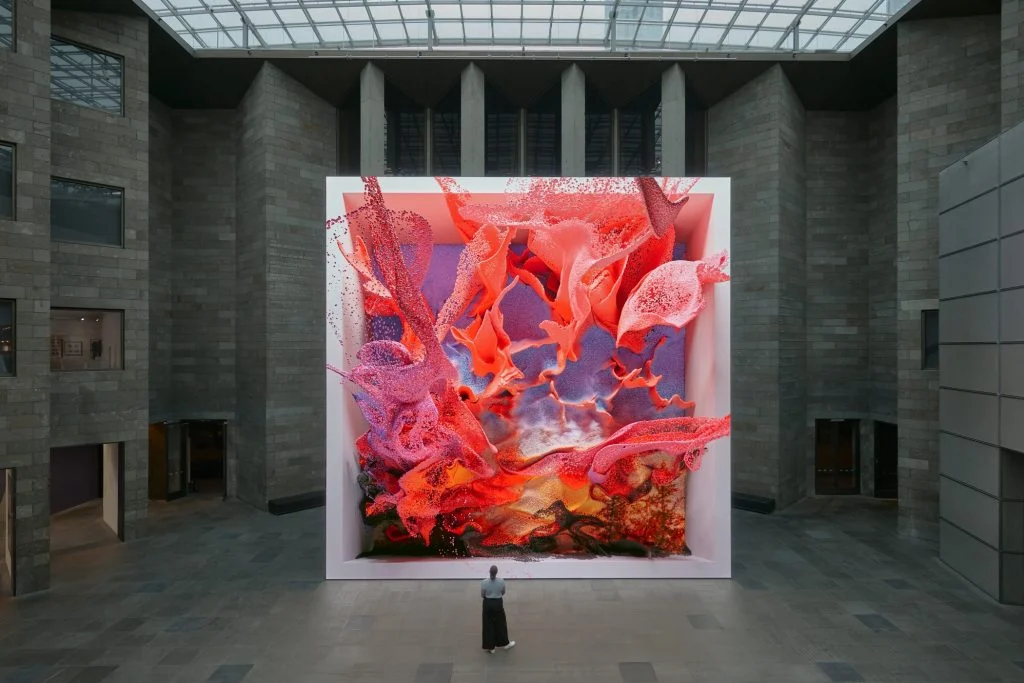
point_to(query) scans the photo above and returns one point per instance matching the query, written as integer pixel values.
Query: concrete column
(673, 122)
(371, 121)
(574, 109)
(473, 132)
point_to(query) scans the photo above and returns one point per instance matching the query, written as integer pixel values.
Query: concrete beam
(673, 122)
(372, 128)
(574, 109)
(473, 137)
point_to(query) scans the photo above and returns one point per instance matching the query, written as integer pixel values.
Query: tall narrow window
(6, 181)
(7, 311)
(929, 339)
(6, 24)
(85, 213)
(86, 77)
(83, 339)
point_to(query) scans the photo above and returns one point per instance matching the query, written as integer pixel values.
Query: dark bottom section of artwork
(650, 524)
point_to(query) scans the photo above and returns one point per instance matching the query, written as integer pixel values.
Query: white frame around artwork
(708, 500)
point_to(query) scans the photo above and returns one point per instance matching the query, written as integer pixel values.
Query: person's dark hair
(494, 571)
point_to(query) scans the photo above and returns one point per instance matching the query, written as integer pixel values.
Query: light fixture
(83, 320)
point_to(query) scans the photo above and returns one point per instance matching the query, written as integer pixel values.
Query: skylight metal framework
(612, 25)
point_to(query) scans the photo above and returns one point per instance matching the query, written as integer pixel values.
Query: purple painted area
(588, 378)
(75, 476)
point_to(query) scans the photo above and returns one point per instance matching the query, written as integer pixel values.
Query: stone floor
(221, 593)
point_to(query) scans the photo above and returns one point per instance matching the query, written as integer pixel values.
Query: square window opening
(86, 77)
(86, 339)
(7, 165)
(8, 311)
(85, 213)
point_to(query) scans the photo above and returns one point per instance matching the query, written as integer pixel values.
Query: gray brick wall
(837, 266)
(792, 252)
(93, 146)
(161, 261)
(880, 201)
(203, 264)
(949, 96)
(755, 137)
(288, 146)
(25, 277)
(1012, 63)
(251, 296)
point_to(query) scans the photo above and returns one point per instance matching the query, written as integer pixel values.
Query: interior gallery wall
(529, 371)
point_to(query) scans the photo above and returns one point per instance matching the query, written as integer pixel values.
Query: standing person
(492, 590)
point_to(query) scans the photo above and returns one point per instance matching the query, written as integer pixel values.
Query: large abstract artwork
(532, 368)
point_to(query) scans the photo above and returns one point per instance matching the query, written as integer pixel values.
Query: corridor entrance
(187, 456)
(887, 446)
(836, 457)
(86, 496)
(7, 565)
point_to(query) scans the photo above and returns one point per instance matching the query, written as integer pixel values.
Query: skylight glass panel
(670, 25)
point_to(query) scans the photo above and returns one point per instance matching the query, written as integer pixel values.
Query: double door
(168, 460)
(836, 457)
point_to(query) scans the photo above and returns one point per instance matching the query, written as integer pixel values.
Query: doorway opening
(7, 546)
(187, 456)
(887, 448)
(86, 497)
(207, 451)
(836, 457)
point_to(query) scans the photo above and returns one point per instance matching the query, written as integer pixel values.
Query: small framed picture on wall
(72, 348)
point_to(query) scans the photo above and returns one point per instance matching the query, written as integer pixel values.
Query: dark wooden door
(836, 457)
(887, 447)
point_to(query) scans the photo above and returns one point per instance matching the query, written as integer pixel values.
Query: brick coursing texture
(288, 146)
(203, 248)
(1012, 63)
(948, 94)
(94, 146)
(161, 261)
(756, 137)
(838, 253)
(880, 187)
(25, 277)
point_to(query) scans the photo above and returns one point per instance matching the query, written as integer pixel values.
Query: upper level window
(7, 23)
(86, 340)
(85, 213)
(6, 338)
(6, 181)
(86, 77)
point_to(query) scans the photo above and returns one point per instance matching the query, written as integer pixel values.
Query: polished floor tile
(221, 593)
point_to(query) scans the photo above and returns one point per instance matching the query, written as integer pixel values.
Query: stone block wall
(203, 263)
(161, 260)
(948, 97)
(94, 146)
(287, 146)
(879, 183)
(25, 277)
(1012, 63)
(755, 136)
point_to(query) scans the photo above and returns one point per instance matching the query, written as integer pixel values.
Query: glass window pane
(84, 339)
(6, 182)
(6, 338)
(6, 23)
(87, 214)
(446, 130)
(86, 77)
(501, 136)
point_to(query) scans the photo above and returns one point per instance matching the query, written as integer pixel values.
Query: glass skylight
(614, 25)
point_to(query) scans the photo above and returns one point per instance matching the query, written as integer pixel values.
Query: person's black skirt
(495, 625)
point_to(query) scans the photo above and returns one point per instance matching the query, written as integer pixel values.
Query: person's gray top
(492, 588)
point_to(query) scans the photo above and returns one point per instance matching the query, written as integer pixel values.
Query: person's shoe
(491, 651)
(511, 644)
